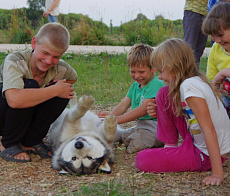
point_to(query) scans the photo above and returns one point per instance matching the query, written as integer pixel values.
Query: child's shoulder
(217, 47)
(193, 82)
(18, 55)
(156, 80)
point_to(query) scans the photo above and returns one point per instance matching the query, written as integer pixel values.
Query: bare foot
(1, 147)
(21, 156)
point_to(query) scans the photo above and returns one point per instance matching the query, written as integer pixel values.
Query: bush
(21, 25)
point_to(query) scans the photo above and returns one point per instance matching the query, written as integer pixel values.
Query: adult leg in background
(193, 34)
(52, 18)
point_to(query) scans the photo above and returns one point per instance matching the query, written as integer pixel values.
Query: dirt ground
(38, 178)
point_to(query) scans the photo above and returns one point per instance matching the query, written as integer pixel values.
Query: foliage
(87, 32)
(20, 31)
(5, 19)
(23, 23)
(147, 31)
(35, 12)
(69, 20)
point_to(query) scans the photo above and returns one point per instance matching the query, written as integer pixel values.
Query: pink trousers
(186, 157)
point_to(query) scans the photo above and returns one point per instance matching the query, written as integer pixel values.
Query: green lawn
(103, 76)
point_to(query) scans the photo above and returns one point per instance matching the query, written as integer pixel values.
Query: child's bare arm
(135, 113)
(200, 109)
(24, 98)
(221, 75)
(120, 109)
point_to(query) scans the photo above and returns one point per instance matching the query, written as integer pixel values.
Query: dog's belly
(88, 123)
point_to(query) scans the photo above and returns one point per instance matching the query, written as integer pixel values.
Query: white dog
(81, 142)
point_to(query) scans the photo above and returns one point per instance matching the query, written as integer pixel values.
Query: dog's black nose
(79, 145)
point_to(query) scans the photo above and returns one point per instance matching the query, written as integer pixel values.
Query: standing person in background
(194, 13)
(52, 10)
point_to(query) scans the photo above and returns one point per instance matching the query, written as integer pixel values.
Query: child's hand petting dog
(102, 115)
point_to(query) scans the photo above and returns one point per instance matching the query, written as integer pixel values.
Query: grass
(103, 76)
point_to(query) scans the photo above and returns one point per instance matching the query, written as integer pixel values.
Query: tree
(35, 11)
(36, 4)
(140, 17)
(159, 17)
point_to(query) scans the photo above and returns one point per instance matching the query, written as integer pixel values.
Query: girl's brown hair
(217, 19)
(177, 57)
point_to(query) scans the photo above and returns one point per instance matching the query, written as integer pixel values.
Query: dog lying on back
(81, 142)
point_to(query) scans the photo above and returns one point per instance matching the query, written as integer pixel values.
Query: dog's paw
(110, 127)
(110, 122)
(86, 101)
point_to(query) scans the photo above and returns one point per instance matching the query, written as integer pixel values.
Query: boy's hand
(218, 78)
(152, 108)
(64, 89)
(212, 180)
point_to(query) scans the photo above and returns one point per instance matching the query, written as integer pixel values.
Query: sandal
(41, 149)
(9, 153)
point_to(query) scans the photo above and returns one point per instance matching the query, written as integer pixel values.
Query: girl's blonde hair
(217, 19)
(177, 57)
(54, 34)
(139, 55)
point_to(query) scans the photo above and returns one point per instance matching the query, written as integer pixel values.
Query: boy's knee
(30, 83)
(141, 140)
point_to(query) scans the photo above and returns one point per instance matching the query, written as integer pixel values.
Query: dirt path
(80, 49)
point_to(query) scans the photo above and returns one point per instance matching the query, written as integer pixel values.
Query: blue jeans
(52, 18)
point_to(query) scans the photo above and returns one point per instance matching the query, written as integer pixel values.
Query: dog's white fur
(79, 122)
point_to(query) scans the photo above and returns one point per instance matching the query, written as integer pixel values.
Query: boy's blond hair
(217, 19)
(54, 34)
(177, 57)
(139, 55)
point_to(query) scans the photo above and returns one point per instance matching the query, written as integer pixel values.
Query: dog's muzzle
(79, 145)
(79, 142)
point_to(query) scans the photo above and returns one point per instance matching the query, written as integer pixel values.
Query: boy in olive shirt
(35, 88)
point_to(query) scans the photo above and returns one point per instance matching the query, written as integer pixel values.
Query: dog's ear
(63, 172)
(104, 167)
